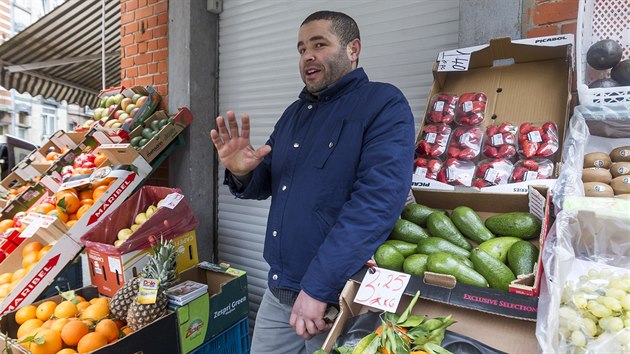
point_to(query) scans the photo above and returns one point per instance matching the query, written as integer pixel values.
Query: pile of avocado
(604, 55)
(148, 133)
(427, 239)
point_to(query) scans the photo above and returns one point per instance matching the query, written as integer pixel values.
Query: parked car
(12, 151)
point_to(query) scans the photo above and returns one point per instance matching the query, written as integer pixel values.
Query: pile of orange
(31, 254)
(72, 326)
(71, 204)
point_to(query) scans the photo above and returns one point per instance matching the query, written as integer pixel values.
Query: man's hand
(307, 316)
(234, 149)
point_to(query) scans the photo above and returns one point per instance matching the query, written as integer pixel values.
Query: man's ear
(353, 49)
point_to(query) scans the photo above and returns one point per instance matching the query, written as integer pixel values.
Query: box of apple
(115, 110)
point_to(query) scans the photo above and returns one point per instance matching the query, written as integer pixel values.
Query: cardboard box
(157, 337)
(45, 271)
(207, 316)
(525, 80)
(168, 133)
(506, 334)
(129, 170)
(522, 301)
(59, 142)
(109, 271)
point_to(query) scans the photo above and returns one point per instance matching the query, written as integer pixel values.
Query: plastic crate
(234, 340)
(597, 20)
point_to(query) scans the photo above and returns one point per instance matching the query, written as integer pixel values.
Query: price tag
(171, 200)
(438, 106)
(430, 138)
(382, 289)
(421, 171)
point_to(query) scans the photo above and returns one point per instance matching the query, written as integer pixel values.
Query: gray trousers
(274, 335)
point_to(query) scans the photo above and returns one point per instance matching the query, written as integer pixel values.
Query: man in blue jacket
(338, 168)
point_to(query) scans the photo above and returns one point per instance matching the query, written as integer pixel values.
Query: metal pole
(103, 43)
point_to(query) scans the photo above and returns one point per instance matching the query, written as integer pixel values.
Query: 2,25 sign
(382, 289)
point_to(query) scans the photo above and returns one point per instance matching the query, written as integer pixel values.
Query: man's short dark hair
(343, 26)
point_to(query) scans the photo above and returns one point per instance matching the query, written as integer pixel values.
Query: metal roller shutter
(258, 74)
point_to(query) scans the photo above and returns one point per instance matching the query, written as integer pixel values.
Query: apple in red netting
(442, 108)
(428, 167)
(530, 169)
(492, 172)
(457, 172)
(465, 143)
(434, 140)
(500, 141)
(471, 108)
(537, 140)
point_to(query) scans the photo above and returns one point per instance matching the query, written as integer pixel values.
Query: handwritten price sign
(382, 289)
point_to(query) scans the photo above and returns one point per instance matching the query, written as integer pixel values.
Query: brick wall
(550, 17)
(144, 55)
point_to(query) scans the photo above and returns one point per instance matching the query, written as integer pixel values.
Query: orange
(73, 331)
(82, 306)
(68, 201)
(25, 313)
(29, 258)
(85, 194)
(87, 201)
(18, 274)
(95, 312)
(5, 289)
(126, 330)
(99, 300)
(67, 351)
(29, 326)
(91, 341)
(66, 309)
(101, 182)
(58, 212)
(44, 208)
(71, 223)
(51, 342)
(107, 328)
(52, 156)
(99, 191)
(59, 323)
(99, 159)
(33, 246)
(5, 278)
(46, 309)
(43, 251)
(82, 210)
(72, 217)
(5, 225)
(79, 298)
(48, 323)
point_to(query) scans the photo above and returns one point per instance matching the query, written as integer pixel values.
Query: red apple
(134, 112)
(141, 101)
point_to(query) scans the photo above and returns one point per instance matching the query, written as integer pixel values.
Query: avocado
(135, 140)
(155, 125)
(405, 248)
(604, 54)
(386, 256)
(407, 231)
(621, 73)
(498, 275)
(147, 133)
(441, 226)
(417, 213)
(470, 224)
(415, 264)
(498, 247)
(518, 224)
(522, 257)
(603, 83)
(437, 244)
(446, 263)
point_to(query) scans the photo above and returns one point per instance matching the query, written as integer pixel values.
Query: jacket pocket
(329, 145)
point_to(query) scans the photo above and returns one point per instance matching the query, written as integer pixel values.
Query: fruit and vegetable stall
(514, 237)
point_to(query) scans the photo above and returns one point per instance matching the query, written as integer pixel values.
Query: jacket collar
(341, 86)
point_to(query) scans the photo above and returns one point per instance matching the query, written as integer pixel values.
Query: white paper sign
(382, 289)
(171, 200)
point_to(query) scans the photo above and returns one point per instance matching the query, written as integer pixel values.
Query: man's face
(323, 60)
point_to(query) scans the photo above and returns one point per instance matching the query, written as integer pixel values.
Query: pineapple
(161, 266)
(123, 298)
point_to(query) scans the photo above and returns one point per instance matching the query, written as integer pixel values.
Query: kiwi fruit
(597, 159)
(598, 189)
(620, 154)
(621, 185)
(596, 174)
(620, 169)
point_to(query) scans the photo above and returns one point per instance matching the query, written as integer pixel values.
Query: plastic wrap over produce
(584, 306)
(592, 129)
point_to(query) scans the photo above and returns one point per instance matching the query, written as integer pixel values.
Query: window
(23, 119)
(22, 133)
(50, 121)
